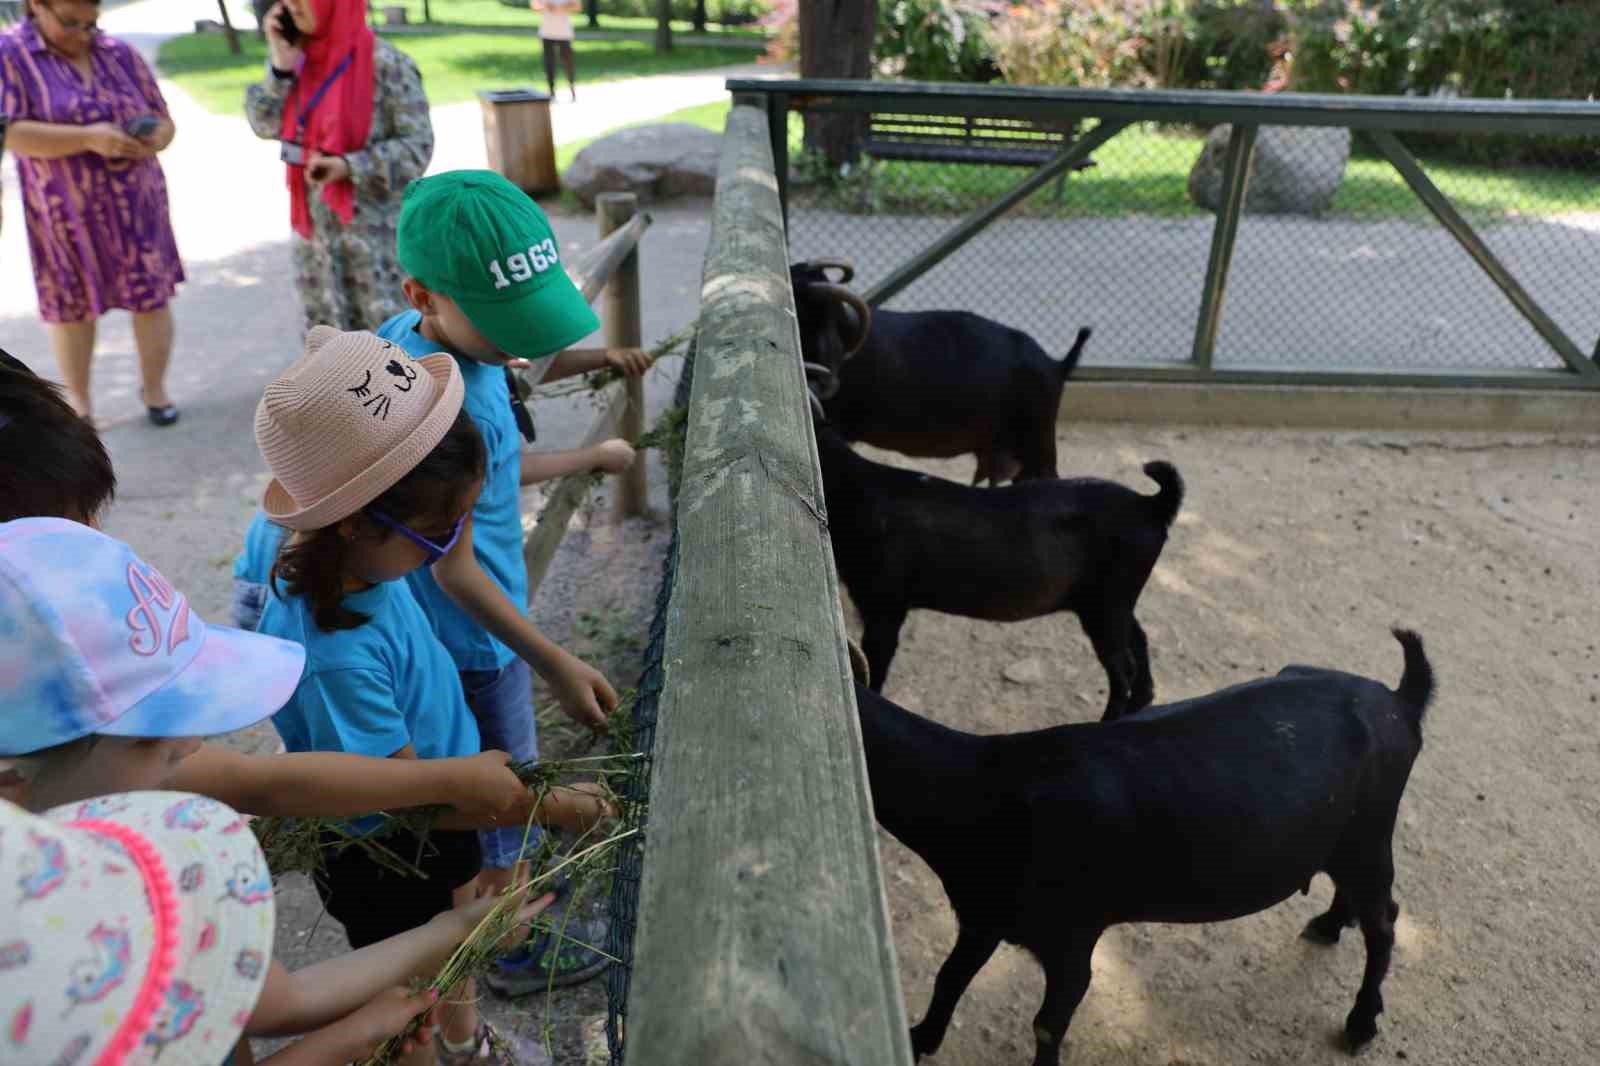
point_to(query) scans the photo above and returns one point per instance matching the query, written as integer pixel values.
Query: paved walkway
(238, 316)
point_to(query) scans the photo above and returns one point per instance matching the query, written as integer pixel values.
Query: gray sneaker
(556, 957)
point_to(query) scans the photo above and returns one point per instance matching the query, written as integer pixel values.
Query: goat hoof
(1358, 1034)
(922, 1044)
(1323, 929)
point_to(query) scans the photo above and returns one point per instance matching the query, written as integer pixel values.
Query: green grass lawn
(455, 64)
(1145, 170)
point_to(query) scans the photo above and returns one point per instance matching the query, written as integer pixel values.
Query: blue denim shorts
(502, 702)
(249, 600)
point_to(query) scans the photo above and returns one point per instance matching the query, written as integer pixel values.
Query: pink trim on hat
(164, 949)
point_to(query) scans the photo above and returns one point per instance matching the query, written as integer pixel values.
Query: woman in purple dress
(85, 121)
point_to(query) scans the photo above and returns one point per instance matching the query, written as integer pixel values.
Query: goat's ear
(858, 662)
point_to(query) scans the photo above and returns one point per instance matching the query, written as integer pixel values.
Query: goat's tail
(1070, 362)
(1416, 684)
(1165, 503)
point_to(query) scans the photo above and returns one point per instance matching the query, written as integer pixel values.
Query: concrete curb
(1333, 407)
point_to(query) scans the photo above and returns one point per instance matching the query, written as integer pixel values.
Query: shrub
(1073, 42)
(934, 40)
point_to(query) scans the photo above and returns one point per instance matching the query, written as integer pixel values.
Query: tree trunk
(592, 9)
(227, 27)
(663, 25)
(836, 42)
(699, 16)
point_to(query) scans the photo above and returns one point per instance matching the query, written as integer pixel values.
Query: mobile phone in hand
(286, 26)
(142, 127)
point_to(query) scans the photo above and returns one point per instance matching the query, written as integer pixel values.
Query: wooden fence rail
(612, 264)
(763, 932)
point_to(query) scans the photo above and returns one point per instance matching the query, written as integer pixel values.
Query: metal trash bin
(516, 132)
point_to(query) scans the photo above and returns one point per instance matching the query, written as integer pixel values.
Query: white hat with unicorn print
(138, 930)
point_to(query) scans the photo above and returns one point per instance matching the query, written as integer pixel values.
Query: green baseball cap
(478, 239)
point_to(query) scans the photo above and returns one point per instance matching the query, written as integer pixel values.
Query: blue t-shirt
(261, 541)
(373, 689)
(497, 516)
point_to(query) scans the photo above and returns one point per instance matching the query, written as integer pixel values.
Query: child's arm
(610, 456)
(356, 1037)
(630, 362)
(327, 991)
(583, 692)
(481, 788)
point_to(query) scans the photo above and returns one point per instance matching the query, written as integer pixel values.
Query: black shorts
(374, 902)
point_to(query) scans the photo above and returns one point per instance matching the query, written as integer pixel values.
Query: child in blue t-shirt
(253, 568)
(486, 286)
(375, 469)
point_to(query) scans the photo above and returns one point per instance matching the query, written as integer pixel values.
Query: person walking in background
(555, 32)
(85, 120)
(352, 119)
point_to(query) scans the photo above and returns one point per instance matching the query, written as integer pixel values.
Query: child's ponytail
(316, 564)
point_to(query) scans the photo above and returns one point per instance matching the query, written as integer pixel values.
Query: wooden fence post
(620, 316)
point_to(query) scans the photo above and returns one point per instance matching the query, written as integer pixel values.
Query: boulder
(656, 162)
(1295, 170)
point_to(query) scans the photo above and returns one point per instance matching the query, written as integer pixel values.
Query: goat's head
(829, 313)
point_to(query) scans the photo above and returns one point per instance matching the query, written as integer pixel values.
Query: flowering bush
(1073, 42)
(934, 40)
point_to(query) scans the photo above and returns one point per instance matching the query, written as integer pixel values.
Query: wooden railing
(610, 268)
(763, 932)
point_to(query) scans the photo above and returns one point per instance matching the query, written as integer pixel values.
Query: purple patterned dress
(100, 233)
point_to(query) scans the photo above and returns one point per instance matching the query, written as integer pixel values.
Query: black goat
(1200, 811)
(906, 540)
(933, 383)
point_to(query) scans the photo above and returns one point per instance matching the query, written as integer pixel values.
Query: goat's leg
(1066, 979)
(1325, 928)
(1040, 454)
(1374, 908)
(1144, 685)
(880, 636)
(1108, 632)
(972, 950)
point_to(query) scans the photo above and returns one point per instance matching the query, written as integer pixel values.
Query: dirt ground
(1306, 547)
(1291, 547)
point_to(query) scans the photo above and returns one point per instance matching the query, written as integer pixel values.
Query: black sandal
(160, 416)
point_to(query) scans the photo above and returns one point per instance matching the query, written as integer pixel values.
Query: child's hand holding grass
(485, 791)
(613, 456)
(629, 362)
(583, 692)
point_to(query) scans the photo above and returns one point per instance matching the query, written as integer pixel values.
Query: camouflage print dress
(349, 275)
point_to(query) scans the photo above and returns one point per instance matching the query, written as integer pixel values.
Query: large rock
(1295, 170)
(656, 162)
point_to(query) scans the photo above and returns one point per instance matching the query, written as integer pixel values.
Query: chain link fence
(1337, 266)
(623, 907)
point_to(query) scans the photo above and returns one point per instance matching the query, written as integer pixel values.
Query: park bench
(975, 140)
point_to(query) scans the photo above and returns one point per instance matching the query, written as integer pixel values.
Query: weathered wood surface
(763, 932)
(623, 320)
(590, 274)
(562, 502)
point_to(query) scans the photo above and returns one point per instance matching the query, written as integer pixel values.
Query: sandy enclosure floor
(1306, 547)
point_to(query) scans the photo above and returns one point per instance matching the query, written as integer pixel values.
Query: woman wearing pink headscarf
(349, 112)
